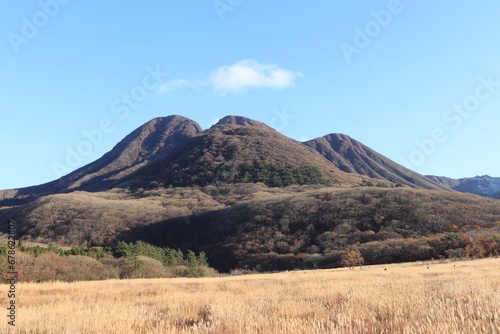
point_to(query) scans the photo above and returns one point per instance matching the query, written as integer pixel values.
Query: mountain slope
(480, 185)
(251, 225)
(352, 156)
(146, 144)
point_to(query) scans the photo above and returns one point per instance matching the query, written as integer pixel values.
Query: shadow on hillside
(203, 232)
(220, 235)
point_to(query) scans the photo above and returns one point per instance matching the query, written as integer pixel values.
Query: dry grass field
(451, 297)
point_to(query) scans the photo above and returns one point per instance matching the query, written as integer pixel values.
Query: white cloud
(248, 73)
(236, 78)
(170, 85)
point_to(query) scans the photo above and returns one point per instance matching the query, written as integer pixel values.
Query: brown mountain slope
(352, 156)
(251, 225)
(146, 144)
(287, 230)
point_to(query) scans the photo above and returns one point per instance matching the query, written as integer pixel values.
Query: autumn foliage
(352, 259)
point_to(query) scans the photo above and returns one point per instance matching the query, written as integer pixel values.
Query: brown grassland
(448, 297)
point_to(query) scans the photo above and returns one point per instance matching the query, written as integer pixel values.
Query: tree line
(124, 260)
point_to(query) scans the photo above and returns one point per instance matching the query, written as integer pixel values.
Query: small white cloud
(170, 85)
(248, 73)
(304, 139)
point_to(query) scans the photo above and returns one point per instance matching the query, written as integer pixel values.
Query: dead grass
(407, 298)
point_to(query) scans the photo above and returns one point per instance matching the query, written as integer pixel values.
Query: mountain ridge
(485, 185)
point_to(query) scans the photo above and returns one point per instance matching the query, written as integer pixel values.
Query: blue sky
(418, 81)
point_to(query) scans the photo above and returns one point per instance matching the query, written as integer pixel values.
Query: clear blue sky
(418, 81)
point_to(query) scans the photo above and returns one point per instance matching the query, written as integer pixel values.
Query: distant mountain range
(480, 185)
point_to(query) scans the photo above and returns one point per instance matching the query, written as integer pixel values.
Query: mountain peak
(238, 120)
(351, 156)
(147, 143)
(144, 145)
(171, 126)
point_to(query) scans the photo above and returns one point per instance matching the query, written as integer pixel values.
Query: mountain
(352, 156)
(175, 151)
(143, 146)
(480, 185)
(251, 197)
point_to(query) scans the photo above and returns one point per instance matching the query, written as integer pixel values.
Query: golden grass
(407, 298)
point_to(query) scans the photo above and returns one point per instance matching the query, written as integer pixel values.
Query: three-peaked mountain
(175, 151)
(248, 196)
